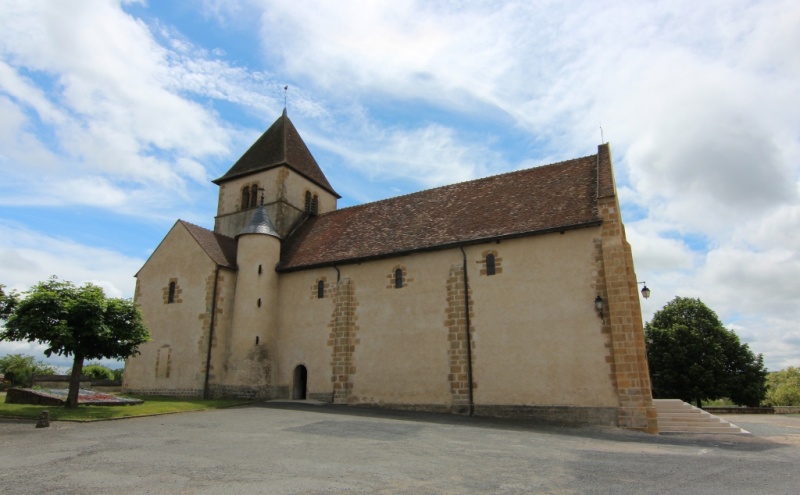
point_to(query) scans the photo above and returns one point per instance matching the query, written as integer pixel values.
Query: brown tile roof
(220, 248)
(280, 145)
(554, 197)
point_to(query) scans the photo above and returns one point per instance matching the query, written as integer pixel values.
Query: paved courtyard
(294, 448)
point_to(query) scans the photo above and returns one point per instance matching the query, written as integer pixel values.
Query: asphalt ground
(301, 448)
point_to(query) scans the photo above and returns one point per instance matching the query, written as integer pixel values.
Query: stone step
(688, 417)
(730, 429)
(676, 416)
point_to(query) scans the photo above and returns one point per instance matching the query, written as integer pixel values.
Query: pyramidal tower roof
(280, 145)
(260, 224)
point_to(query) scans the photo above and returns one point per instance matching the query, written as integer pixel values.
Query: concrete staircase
(676, 416)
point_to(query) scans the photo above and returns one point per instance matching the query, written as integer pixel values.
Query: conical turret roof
(260, 224)
(280, 145)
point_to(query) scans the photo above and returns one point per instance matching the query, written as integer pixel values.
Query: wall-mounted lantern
(645, 290)
(598, 305)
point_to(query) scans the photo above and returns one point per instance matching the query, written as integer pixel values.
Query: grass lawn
(151, 406)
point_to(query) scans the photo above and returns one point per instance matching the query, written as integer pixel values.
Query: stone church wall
(535, 352)
(537, 334)
(174, 362)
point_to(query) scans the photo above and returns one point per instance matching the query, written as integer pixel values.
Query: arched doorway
(300, 380)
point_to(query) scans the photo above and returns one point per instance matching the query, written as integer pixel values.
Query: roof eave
(440, 247)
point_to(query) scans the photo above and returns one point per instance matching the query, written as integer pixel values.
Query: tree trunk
(74, 382)
(699, 404)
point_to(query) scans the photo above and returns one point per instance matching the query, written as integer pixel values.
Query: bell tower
(279, 167)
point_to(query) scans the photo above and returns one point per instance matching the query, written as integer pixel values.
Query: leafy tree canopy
(783, 387)
(76, 321)
(7, 303)
(693, 357)
(18, 369)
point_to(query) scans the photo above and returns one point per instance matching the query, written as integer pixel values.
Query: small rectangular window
(490, 270)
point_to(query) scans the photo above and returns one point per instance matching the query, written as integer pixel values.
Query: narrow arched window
(320, 289)
(171, 293)
(398, 278)
(490, 269)
(245, 197)
(314, 205)
(254, 195)
(308, 202)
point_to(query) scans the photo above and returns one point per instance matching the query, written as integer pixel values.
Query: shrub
(18, 369)
(783, 387)
(98, 372)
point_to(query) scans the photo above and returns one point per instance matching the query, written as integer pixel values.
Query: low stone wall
(786, 409)
(753, 410)
(62, 381)
(738, 410)
(58, 381)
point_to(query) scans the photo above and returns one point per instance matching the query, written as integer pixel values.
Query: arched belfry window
(398, 278)
(245, 197)
(320, 289)
(490, 266)
(314, 205)
(254, 195)
(308, 202)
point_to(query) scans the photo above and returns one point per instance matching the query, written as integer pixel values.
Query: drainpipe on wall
(469, 336)
(338, 274)
(206, 391)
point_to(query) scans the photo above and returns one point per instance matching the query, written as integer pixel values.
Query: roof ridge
(547, 198)
(453, 184)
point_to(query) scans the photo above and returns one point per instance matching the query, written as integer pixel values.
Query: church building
(513, 295)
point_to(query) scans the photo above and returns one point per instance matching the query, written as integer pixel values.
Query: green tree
(783, 387)
(118, 373)
(7, 303)
(693, 357)
(76, 321)
(98, 372)
(18, 369)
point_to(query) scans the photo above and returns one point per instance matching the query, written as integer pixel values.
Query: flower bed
(58, 396)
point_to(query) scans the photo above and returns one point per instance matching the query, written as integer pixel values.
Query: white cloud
(28, 256)
(431, 155)
(113, 110)
(698, 100)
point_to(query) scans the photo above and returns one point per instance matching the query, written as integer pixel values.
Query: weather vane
(285, 92)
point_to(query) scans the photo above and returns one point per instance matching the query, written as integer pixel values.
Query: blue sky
(115, 115)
